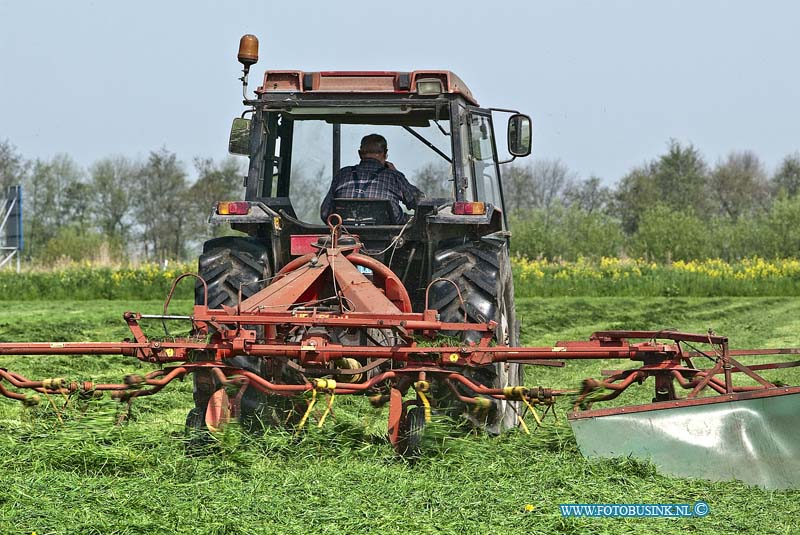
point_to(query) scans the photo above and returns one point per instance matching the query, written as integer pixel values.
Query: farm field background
(88, 476)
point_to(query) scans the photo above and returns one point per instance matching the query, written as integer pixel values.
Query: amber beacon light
(248, 50)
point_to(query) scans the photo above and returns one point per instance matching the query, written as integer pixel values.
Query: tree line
(674, 207)
(119, 208)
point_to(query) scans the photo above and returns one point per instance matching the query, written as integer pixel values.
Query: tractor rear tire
(230, 263)
(482, 272)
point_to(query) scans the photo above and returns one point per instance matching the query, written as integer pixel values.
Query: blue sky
(607, 83)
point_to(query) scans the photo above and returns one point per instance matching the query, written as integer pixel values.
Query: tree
(680, 177)
(634, 193)
(539, 185)
(435, 180)
(112, 181)
(13, 167)
(779, 229)
(565, 233)
(74, 243)
(160, 202)
(78, 198)
(308, 189)
(665, 234)
(55, 196)
(215, 182)
(739, 184)
(69, 191)
(787, 177)
(518, 189)
(677, 179)
(38, 196)
(550, 178)
(589, 195)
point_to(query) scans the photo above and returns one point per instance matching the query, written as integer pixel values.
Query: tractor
(452, 253)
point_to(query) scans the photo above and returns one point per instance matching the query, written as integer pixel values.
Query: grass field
(87, 476)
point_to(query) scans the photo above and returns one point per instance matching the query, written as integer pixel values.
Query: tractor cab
(301, 128)
(304, 126)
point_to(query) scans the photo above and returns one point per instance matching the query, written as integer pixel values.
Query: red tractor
(452, 253)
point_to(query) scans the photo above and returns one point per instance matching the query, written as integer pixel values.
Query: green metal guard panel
(754, 440)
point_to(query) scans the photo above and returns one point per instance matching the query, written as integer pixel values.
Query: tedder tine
(396, 413)
(218, 413)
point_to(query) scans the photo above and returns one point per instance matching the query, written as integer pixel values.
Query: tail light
(233, 208)
(469, 208)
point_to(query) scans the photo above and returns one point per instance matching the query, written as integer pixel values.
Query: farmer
(373, 178)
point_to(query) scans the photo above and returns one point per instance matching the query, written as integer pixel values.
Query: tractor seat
(363, 212)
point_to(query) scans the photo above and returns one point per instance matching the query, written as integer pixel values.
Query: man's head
(373, 146)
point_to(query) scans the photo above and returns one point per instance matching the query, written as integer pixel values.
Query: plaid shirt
(371, 180)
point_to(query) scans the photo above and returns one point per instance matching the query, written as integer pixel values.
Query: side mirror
(239, 142)
(519, 135)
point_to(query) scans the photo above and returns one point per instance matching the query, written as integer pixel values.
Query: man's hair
(373, 144)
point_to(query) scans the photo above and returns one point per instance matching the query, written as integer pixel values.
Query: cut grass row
(87, 476)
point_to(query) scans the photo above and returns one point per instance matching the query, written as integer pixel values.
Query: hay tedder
(419, 316)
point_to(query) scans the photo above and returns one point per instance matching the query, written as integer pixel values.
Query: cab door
(482, 152)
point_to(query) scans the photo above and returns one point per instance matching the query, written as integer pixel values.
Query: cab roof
(363, 82)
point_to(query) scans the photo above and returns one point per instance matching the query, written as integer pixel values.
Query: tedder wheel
(412, 426)
(198, 439)
(228, 264)
(482, 271)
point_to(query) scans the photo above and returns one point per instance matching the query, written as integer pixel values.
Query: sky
(607, 83)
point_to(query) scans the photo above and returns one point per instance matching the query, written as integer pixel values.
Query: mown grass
(88, 476)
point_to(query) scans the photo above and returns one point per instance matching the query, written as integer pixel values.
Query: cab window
(482, 157)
